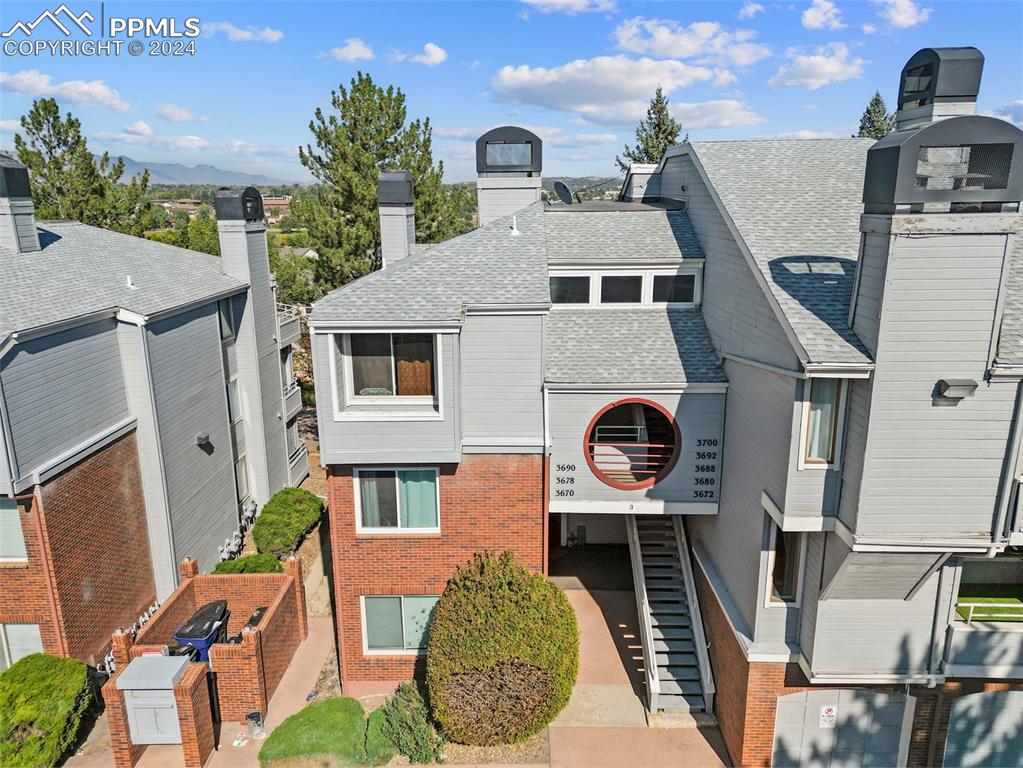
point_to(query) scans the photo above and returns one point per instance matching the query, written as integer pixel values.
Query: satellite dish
(562, 190)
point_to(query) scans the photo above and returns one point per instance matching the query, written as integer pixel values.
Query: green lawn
(991, 593)
(333, 727)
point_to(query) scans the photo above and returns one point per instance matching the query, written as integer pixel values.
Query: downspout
(1009, 475)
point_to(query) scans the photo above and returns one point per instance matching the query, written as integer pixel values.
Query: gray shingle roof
(81, 270)
(633, 235)
(796, 205)
(634, 345)
(486, 266)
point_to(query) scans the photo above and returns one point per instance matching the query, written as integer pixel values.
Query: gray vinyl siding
(737, 313)
(870, 287)
(502, 376)
(811, 592)
(870, 575)
(190, 398)
(756, 454)
(5, 469)
(856, 420)
(61, 390)
(367, 440)
(810, 492)
(932, 469)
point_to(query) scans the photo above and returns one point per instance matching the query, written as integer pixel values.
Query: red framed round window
(632, 444)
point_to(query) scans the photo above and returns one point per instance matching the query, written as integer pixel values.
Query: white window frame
(239, 416)
(226, 319)
(647, 286)
(396, 530)
(244, 461)
(5, 646)
(769, 581)
(366, 651)
(21, 531)
(804, 426)
(348, 398)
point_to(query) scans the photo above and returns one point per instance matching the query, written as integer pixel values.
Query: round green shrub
(332, 727)
(285, 520)
(42, 701)
(406, 724)
(258, 563)
(502, 653)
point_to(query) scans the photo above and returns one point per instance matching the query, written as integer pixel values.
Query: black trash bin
(207, 626)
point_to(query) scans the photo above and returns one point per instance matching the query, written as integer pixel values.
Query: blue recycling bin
(207, 626)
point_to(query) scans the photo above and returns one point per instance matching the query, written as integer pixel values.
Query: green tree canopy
(69, 182)
(876, 121)
(654, 135)
(365, 132)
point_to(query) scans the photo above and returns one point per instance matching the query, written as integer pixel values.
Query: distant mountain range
(176, 173)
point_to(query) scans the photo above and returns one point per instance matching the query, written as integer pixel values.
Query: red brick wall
(126, 754)
(25, 593)
(192, 694)
(99, 545)
(486, 502)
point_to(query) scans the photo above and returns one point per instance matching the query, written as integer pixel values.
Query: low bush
(43, 699)
(334, 728)
(502, 654)
(285, 520)
(379, 748)
(259, 563)
(406, 723)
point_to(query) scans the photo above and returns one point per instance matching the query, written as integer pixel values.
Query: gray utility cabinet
(148, 685)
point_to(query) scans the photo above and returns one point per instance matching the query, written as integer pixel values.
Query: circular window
(632, 444)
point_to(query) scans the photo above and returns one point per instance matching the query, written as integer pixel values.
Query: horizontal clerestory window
(393, 365)
(397, 500)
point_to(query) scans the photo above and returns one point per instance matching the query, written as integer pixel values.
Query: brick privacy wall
(241, 684)
(126, 754)
(192, 694)
(25, 592)
(96, 524)
(486, 502)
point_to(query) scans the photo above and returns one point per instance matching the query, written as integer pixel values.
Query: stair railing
(653, 684)
(695, 617)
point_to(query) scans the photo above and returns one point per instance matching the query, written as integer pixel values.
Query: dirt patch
(328, 684)
(535, 751)
(308, 430)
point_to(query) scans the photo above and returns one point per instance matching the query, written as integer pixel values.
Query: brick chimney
(17, 214)
(397, 216)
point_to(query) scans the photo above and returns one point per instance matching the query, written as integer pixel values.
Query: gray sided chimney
(508, 165)
(17, 214)
(397, 205)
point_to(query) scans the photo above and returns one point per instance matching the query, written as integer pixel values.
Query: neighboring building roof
(489, 265)
(609, 233)
(82, 270)
(797, 204)
(629, 345)
(1010, 342)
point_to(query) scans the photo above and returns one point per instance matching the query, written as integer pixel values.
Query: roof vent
(129, 283)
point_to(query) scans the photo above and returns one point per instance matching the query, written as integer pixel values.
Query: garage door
(838, 728)
(986, 729)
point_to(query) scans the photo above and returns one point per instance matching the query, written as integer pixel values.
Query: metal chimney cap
(509, 149)
(941, 74)
(13, 178)
(395, 188)
(234, 205)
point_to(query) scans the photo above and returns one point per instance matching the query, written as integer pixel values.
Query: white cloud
(706, 40)
(354, 49)
(91, 93)
(1012, 111)
(903, 14)
(807, 134)
(9, 126)
(614, 90)
(572, 7)
(139, 128)
(552, 135)
(750, 9)
(141, 134)
(719, 113)
(431, 56)
(868, 29)
(822, 14)
(239, 35)
(177, 114)
(815, 69)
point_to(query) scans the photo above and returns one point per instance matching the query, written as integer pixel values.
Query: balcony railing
(292, 400)
(990, 611)
(622, 454)
(289, 323)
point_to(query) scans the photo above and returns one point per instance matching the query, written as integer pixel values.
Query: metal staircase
(675, 661)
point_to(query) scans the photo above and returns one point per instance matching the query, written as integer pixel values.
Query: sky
(579, 73)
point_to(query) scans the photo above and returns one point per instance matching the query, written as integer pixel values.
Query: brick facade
(487, 501)
(89, 568)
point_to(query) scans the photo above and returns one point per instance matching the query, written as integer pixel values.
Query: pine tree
(68, 182)
(876, 121)
(654, 135)
(365, 133)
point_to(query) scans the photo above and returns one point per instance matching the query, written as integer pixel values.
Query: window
(621, 289)
(226, 320)
(241, 476)
(234, 403)
(822, 426)
(12, 540)
(18, 641)
(397, 500)
(785, 562)
(397, 623)
(674, 288)
(570, 290)
(388, 365)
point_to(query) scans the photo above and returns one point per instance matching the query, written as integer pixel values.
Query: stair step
(670, 620)
(688, 677)
(664, 589)
(674, 646)
(676, 660)
(689, 702)
(684, 688)
(671, 633)
(662, 572)
(669, 612)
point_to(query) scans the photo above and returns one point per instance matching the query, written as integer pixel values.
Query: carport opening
(632, 444)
